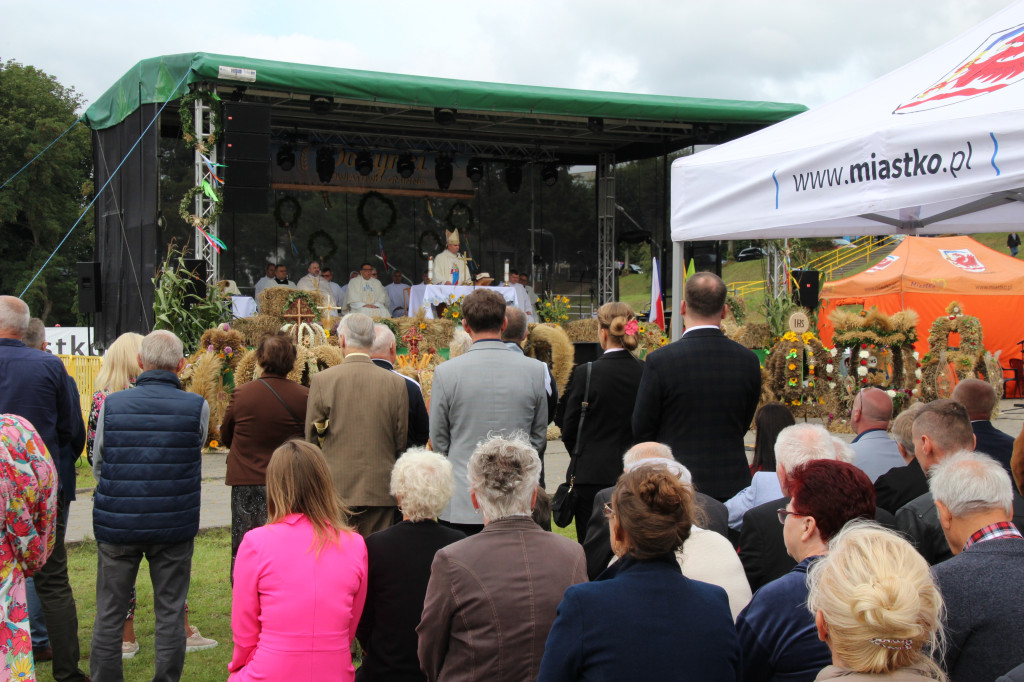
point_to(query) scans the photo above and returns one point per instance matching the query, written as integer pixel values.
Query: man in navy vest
(36, 386)
(148, 466)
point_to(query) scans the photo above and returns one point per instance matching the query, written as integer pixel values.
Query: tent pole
(677, 288)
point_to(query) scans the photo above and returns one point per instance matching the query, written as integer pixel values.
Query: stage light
(321, 104)
(513, 177)
(475, 170)
(595, 124)
(285, 157)
(549, 174)
(364, 162)
(405, 165)
(444, 116)
(325, 164)
(443, 172)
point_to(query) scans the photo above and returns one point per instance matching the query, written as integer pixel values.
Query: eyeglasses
(608, 511)
(783, 513)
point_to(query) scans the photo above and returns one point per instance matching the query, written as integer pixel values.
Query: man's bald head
(872, 409)
(977, 396)
(704, 296)
(515, 329)
(14, 317)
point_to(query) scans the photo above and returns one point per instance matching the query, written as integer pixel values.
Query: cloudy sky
(793, 51)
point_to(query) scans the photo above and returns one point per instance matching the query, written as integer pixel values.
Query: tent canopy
(934, 147)
(926, 274)
(574, 125)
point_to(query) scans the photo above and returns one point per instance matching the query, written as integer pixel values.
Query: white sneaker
(129, 649)
(196, 641)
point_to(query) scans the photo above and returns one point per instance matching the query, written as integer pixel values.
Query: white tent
(934, 147)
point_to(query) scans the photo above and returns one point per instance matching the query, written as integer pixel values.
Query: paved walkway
(216, 509)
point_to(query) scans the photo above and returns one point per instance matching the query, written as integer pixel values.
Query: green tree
(39, 206)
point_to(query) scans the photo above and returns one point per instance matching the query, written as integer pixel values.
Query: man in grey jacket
(974, 499)
(485, 391)
(877, 453)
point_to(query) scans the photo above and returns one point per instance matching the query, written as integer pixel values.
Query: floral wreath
(970, 360)
(296, 211)
(187, 207)
(330, 247)
(460, 207)
(436, 240)
(365, 223)
(188, 121)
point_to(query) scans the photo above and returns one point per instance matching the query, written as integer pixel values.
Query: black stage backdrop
(126, 214)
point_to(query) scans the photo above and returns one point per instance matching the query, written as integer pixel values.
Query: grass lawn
(209, 603)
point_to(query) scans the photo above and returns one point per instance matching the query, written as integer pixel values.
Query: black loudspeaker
(805, 288)
(89, 299)
(246, 157)
(586, 351)
(197, 281)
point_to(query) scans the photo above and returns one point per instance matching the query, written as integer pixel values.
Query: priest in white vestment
(396, 291)
(366, 295)
(449, 266)
(312, 281)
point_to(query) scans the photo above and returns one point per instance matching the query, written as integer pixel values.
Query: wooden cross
(299, 312)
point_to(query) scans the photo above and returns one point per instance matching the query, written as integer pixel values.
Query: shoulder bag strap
(579, 429)
(283, 403)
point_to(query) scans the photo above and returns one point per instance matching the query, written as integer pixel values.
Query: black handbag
(564, 501)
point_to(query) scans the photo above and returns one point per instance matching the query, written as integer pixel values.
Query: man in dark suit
(597, 545)
(762, 545)
(698, 395)
(902, 484)
(514, 333)
(384, 353)
(35, 385)
(980, 399)
(973, 497)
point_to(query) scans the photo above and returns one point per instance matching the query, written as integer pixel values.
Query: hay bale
(256, 327)
(582, 331)
(549, 343)
(326, 356)
(554, 433)
(273, 302)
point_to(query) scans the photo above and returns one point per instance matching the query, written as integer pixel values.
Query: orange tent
(924, 274)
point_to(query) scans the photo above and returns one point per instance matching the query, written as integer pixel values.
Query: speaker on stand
(90, 295)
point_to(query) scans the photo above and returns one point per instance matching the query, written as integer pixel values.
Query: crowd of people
(363, 513)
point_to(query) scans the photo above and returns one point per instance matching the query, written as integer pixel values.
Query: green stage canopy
(631, 125)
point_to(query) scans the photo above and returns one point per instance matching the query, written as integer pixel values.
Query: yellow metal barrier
(83, 369)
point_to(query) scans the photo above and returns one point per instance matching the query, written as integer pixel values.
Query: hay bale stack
(256, 327)
(549, 343)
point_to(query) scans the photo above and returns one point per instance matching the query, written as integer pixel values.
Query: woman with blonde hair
(876, 606)
(119, 370)
(300, 581)
(606, 432)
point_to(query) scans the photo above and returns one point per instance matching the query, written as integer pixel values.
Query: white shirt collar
(701, 326)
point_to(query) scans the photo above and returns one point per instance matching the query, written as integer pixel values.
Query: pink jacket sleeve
(359, 601)
(245, 604)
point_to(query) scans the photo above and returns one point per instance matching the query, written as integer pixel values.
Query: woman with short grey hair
(503, 476)
(399, 559)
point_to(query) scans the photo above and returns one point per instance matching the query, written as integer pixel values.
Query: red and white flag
(657, 314)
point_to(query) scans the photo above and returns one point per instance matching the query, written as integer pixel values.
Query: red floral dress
(28, 491)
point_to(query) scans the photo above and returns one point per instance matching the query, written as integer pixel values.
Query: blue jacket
(149, 443)
(777, 631)
(642, 620)
(35, 385)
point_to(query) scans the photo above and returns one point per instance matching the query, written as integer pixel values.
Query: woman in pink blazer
(300, 581)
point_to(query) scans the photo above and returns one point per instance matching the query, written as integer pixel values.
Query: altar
(428, 295)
